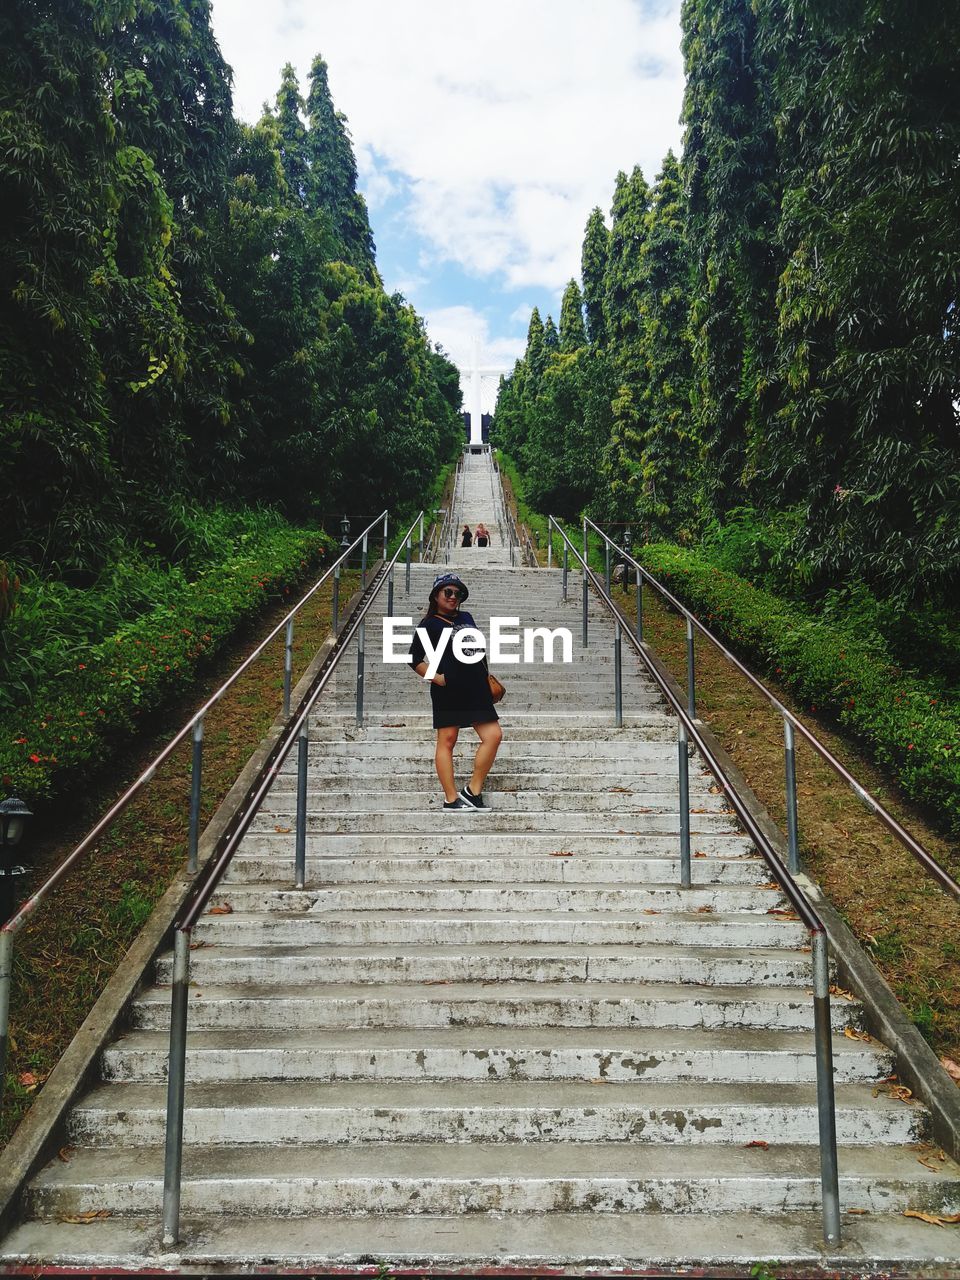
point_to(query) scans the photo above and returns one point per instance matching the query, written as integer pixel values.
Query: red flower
(35, 759)
(81, 666)
(909, 746)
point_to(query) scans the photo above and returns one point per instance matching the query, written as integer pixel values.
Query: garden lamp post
(14, 816)
(345, 531)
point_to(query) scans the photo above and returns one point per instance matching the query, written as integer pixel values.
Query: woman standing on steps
(460, 693)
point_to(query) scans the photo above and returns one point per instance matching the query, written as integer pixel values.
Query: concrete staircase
(504, 1040)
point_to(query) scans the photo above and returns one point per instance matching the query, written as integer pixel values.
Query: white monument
(477, 374)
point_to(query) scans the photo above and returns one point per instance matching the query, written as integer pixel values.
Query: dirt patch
(69, 950)
(906, 922)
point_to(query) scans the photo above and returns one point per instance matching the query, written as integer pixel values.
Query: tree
(596, 246)
(573, 334)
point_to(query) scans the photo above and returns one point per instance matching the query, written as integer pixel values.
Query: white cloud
(508, 121)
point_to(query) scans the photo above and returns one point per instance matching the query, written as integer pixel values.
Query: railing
(202, 890)
(688, 738)
(194, 729)
(792, 726)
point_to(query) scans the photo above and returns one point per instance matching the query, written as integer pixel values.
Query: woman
(460, 693)
(466, 538)
(482, 535)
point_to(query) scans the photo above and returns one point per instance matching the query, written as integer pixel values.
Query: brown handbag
(497, 690)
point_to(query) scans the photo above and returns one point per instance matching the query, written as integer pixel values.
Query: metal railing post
(361, 637)
(683, 761)
(287, 667)
(420, 543)
(550, 547)
(196, 777)
(566, 568)
(691, 675)
(303, 756)
(390, 595)
(386, 531)
(176, 1083)
(585, 595)
(826, 1111)
(639, 607)
(409, 552)
(336, 600)
(618, 679)
(790, 765)
(606, 563)
(363, 563)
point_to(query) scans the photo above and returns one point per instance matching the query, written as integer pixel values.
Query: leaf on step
(91, 1216)
(197, 946)
(770, 884)
(224, 909)
(852, 1034)
(65, 1153)
(650, 911)
(28, 1080)
(600, 1080)
(758, 1142)
(394, 724)
(437, 982)
(860, 1213)
(925, 1161)
(951, 1068)
(840, 991)
(716, 791)
(561, 853)
(699, 854)
(620, 791)
(935, 1219)
(284, 831)
(705, 909)
(783, 912)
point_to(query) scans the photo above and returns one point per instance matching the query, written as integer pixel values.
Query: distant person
(482, 535)
(466, 538)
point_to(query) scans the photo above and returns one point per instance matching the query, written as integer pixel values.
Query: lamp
(14, 816)
(345, 531)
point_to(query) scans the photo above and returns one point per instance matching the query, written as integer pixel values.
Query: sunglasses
(450, 591)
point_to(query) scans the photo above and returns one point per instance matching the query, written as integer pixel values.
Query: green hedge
(901, 717)
(76, 722)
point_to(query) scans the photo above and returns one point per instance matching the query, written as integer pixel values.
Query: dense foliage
(773, 327)
(190, 308)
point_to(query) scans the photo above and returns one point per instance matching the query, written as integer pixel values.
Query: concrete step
(461, 833)
(514, 896)
(361, 928)
(579, 869)
(494, 1004)
(730, 1243)
(655, 724)
(452, 1053)
(498, 822)
(430, 1178)
(421, 793)
(269, 1114)
(307, 966)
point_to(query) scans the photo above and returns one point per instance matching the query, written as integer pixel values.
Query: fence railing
(792, 726)
(192, 729)
(297, 729)
(689, 737)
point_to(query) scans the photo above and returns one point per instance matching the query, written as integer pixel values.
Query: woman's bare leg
(490, 735)
(446, 741)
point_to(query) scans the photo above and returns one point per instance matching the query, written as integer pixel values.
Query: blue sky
(484, 134)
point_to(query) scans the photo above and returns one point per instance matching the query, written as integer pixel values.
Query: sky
(484, 135)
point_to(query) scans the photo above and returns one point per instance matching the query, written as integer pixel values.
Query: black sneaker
(451, 805)
(473, 802)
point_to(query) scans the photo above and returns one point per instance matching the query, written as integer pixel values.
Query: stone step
(515, 896)
(268, 1114)
(420, 793)
(495, 1004)
(457, 1178)
(461, 833)
(307, 966)
(361, 928)
(655, 724)
(452, 1053)
(612, 1243)
(579, 869)
(498, 822)
(629, 781)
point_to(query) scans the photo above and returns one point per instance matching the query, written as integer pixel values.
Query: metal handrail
(194, 726)
(689, 733)
(792, 726)
(203, 888)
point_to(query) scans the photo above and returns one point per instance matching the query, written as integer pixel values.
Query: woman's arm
(438, 679)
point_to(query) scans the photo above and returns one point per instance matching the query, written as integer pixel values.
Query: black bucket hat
(451, 580)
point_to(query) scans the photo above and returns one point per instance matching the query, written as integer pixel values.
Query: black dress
(465, 697)
(467, 539)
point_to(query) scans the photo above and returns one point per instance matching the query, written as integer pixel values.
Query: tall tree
(593, 269)
(573, 334)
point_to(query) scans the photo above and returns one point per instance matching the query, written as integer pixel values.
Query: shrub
(902, 718)
(77, 719)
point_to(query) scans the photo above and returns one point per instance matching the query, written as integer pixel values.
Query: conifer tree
(593, 268)
(573, 335)
(551, 339)
(293, 137)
